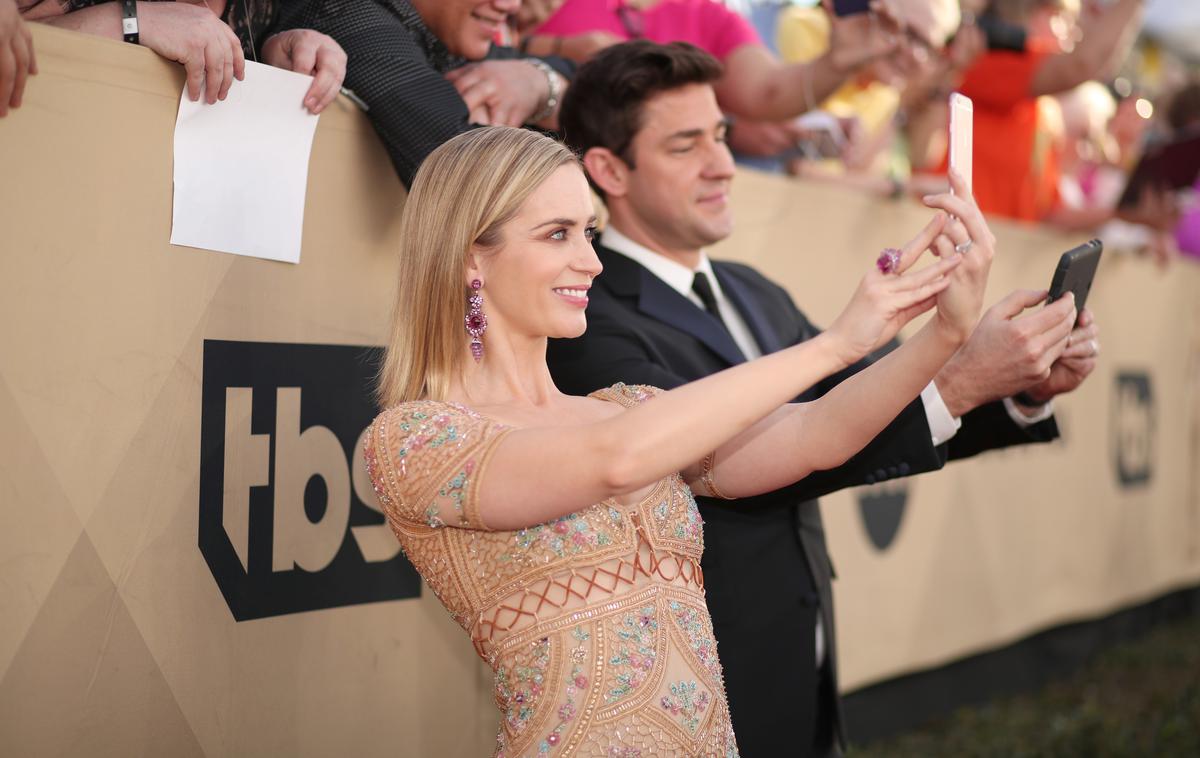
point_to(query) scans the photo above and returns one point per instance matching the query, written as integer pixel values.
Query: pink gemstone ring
(888, 261)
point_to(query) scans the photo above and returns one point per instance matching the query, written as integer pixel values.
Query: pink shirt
(706, 24)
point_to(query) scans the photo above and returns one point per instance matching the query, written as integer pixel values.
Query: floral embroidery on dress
(695, 627)
(424, 430)
(565, 537)
(635, 653)
(520, 690)
(585, 619)
(639, 393)
(692, 526)
(684, 702)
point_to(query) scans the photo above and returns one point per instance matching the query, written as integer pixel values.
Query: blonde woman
(561, 532)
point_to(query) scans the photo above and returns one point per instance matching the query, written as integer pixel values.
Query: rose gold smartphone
(962, 120)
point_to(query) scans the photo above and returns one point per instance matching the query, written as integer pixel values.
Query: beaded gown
(594, 623)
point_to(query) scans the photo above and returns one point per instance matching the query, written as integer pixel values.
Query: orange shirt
(1016, 166)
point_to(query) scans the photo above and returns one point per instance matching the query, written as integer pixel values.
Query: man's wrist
(1030, 399)
(950, 388)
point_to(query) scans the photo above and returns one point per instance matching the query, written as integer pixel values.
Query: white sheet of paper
(241, 167)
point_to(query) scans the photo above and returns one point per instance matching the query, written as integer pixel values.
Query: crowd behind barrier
(171, 589)
(856, 100)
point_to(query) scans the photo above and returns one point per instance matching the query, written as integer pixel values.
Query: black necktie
(702, 287)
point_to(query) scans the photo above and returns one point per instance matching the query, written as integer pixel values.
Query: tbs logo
(288, 519)
(1133, 429)
(881, 507)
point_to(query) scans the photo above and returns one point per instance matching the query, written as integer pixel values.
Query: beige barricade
(193, 563)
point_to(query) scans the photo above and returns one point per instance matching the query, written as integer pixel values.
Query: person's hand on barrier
(967, 233)
(17, 60)
(192, 35)
(307, 51)
(891, 295)
(1077, 361)
(511, 91)
(1009, 352)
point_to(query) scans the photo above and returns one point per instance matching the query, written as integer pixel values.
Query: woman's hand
(885, 302)
(309, 52)
(967, 234)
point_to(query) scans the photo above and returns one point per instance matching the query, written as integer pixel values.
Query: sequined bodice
(594, 623)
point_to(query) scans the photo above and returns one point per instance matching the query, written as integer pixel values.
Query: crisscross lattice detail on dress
(579, 586)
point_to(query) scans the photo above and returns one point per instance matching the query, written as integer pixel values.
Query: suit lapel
(625, 277)
(659, 301)
(744, 300)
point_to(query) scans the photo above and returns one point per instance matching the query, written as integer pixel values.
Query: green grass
(1137, 699)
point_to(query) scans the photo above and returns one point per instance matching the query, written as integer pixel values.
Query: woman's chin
(570, 331)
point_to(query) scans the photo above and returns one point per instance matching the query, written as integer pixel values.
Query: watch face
(129, 25)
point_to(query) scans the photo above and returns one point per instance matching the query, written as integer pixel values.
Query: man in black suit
(644, 118)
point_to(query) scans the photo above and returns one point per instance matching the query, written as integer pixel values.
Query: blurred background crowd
(1069, 94)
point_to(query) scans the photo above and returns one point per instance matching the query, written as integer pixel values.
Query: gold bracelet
(706, 477)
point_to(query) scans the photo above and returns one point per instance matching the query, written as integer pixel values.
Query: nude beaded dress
(594, 623)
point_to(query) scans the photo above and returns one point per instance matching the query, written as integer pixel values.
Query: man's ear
(609, 172)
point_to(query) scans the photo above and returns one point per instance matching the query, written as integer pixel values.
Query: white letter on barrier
(247, 464)
(299, 457)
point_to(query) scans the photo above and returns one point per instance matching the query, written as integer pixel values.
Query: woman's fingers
(959, 186)
(903, 301)
(943, 246)
(917, 279)
(965, 211)
(916, 309)
(919, 244)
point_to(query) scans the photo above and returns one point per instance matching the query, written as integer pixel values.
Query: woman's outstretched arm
(798, 439)
(538, 474)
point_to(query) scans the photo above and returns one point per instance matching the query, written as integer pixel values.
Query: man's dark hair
(603, 105)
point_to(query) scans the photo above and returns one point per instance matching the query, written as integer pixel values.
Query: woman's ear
(474, 266)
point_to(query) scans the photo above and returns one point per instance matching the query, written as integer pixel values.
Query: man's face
(466, 27)
(679, 186)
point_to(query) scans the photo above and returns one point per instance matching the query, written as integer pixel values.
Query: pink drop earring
(476, 322)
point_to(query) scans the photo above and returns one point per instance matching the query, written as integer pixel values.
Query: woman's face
(536, 284)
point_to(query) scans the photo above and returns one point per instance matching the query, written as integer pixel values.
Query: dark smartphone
(1001, 35)
(1076, 269)
(850, 7)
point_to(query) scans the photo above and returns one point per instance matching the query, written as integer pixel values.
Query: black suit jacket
(767, 571)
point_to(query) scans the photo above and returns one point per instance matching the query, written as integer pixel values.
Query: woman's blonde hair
(464, 192)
